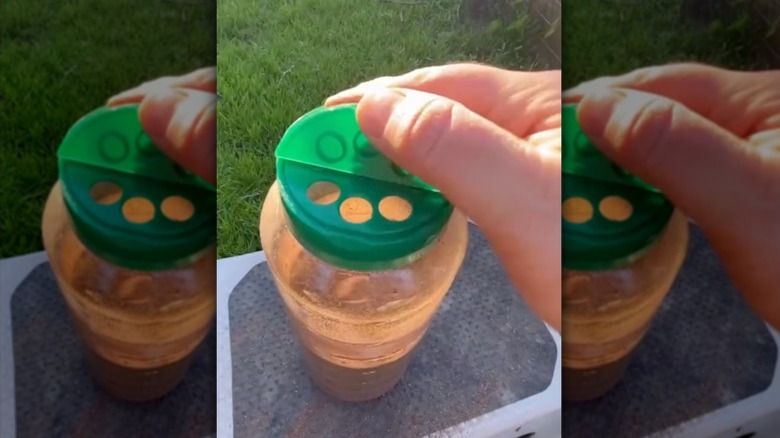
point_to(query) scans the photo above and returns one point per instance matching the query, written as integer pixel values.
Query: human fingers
(182, 122)
(520, 102)
(203, 79)
(507, 186)
(738, 101)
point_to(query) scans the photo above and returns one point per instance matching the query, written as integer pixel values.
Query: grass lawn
(278, 60)
(60, 60)
(608, 37)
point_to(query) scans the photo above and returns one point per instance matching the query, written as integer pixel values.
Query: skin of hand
(710, 140)
(179, 114)
(489, 139)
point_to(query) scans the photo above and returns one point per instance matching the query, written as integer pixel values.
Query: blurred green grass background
(610, 37)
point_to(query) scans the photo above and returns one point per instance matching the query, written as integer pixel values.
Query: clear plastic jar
(140, 327)
(358, 329)
(607, 313)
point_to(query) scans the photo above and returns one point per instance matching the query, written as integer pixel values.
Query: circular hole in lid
(106, 193)
(395, 208)
(615, 208)
(177, 209)
(330, 147)
(583, 145)
(113, 147)
(323, 192)
(356, 210)
(577, 210)
(138, 210)
(363, 147)
(145, 145)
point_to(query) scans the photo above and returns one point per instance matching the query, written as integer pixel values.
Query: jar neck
(135, 264)
(629, 259)
(354, 264)
(362, 265)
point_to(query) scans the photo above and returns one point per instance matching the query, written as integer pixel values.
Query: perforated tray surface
(705, 350)
(56, 397)
(484, 350)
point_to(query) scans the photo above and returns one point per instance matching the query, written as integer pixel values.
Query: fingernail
(376, 109)
(350, 94)
(337, 98)
(596, 109)
(113, 100)
(570, 93)
(157, 111)
(585, 88)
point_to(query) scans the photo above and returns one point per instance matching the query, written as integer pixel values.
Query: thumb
(470, 159)
(182, 123)
(698, 165)
(511, 189)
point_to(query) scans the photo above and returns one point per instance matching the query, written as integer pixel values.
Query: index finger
(689, 81)
(520, 102)
(204, 79)
(720, 95)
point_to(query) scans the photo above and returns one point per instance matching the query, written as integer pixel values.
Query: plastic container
(362, 253)
(131, 239)
(623, 246)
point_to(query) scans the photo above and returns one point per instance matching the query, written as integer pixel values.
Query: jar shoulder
(81, 271)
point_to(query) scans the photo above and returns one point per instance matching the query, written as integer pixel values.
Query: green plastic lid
(610, 217)
(129, 203)
(347, 203)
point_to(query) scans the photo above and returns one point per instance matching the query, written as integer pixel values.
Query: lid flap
(130, 204)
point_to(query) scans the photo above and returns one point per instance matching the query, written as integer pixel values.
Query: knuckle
(425, 136)
(425, 76)
(157, 85)
(648, 130)
(378, 81)
(209, 72)
(665, 76)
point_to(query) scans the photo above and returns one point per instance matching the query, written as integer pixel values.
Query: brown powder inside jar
(606, 313)
(140, 328)
(357, 329)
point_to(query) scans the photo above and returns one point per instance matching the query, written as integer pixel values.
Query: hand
(179, 115)
(489, 139)
(710, 140)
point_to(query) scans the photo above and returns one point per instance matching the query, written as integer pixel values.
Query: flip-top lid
(348, 204)
(609, 215)
(129, 203)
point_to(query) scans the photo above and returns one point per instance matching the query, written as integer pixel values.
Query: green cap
(344, 198)
(611, 217)
(129, 203)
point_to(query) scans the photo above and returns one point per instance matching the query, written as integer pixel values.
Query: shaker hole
(577, 210)
(395, 208)
(177, 209)
(138, 210)
(615, 208)
(323, 193)
(106, 193)
(356, 210)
